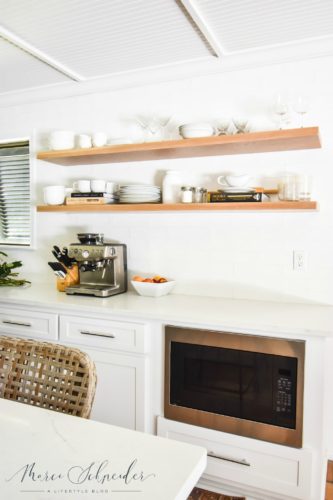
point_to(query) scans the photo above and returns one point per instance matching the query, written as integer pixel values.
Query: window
(15, 207)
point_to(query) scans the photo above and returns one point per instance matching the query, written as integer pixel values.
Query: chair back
(47, 375)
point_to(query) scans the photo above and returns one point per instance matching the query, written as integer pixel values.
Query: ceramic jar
(171, 186)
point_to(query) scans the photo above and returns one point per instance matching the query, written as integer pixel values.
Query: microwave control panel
(284, 395)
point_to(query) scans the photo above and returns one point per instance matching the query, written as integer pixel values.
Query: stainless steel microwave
(242, 384)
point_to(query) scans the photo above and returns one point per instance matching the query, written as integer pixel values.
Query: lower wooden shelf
(183, 207)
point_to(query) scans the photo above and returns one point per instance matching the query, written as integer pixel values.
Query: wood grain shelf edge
(182, 207)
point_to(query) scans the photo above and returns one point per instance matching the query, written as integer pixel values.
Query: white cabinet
(122, 389)
(28, 323)
(268, 469)
(118, 349)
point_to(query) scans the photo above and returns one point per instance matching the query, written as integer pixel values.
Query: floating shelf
(183, 207)
(254, 142)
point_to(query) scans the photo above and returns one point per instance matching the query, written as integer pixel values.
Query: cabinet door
(122, 391)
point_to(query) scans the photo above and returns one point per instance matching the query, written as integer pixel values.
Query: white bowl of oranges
(157, 286)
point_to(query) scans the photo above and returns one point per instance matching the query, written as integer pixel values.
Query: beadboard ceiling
(54, 42)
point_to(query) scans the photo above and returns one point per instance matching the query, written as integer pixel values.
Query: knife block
(71, 278)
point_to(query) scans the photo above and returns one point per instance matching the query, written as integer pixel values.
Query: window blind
(15, 216)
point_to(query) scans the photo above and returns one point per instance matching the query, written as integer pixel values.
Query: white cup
(112, 187)
(233, 180)
(82, 186)
(97, 186)
(99, 139)
(84, 141)
(62, 139)
(54, 195)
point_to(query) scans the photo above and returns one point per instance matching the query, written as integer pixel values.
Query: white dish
(140, 195)
(141, 191)
(153, 289)
(139, 186)
(139, 200)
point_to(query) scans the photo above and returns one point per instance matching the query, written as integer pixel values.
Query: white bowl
(234, 180)
(153, 289)
(196, 125)
(195, 133)
(191, 130)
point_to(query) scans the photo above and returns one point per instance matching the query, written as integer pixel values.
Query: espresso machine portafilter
(102, 266)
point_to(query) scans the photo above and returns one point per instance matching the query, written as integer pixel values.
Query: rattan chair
(47, 375)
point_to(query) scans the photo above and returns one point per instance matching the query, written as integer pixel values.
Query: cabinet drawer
(264, 466)
(28, 323)
(109, 334)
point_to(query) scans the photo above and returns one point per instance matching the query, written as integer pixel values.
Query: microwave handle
(240, 461)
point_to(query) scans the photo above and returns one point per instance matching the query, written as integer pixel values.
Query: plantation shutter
(15, 216)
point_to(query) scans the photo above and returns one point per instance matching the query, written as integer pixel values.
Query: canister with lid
(186, 195)
(199, 195)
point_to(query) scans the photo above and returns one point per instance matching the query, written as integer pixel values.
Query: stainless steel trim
(17, 323)
(234, 425)
(97, 334)
(240, 461)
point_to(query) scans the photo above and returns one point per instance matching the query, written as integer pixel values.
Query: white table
(46, 455)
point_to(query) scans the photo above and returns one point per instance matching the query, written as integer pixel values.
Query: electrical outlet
(299, 260)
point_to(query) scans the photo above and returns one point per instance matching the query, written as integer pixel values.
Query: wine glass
(301, 107)
(223, 126)
(154, 127)
(281, 109)
(240, 124)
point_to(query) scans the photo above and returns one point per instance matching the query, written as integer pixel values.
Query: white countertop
(235, 315)
(79, 453)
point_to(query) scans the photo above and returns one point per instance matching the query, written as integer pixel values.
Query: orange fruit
(137, 278)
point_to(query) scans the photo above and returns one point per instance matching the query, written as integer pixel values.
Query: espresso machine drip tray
(94, 290)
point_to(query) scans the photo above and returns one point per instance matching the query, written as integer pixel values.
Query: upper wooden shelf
(253, 142)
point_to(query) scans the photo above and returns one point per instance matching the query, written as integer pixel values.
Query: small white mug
(54, 195)
(99, 139)
(84, 141)
(112, 187)
(82, 186)
(97, 186)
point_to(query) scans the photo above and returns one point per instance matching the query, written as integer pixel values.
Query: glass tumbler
(288, 189)
(304, 187)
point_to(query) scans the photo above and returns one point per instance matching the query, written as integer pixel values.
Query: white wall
(239, 255)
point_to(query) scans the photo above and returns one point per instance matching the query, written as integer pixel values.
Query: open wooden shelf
(253, 142)
(183, 207)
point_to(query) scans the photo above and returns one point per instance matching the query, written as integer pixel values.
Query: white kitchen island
(49, 455)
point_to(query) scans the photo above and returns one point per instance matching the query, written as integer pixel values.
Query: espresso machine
(102, 266)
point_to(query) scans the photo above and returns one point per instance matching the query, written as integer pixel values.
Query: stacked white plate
(139, 193)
